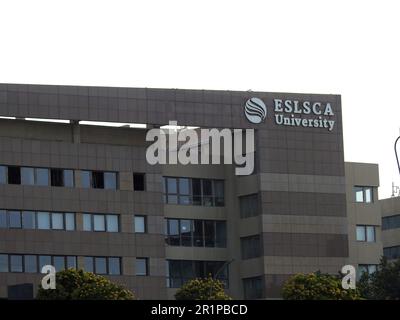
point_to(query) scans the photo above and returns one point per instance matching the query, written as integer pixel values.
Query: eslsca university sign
(292, 113)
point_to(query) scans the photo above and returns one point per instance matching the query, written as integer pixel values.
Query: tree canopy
(80, 285)
(202, 289)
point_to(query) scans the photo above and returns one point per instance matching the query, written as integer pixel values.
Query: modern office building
(76, 193)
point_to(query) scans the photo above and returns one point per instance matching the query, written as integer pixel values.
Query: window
(99, 179)
(14, 219)
(366, 268)
(114, 266)
(186, 233)
(88, 264)
(87, 222)
(180, 271)
(85, 179)
(391, 222)
(249, 206)
(43, 220)
(27, 176)
(30, 263)
(14, 175)
(3, 174)
(141, 266)
(364, 194)
(173, 238)
(3, 263)
(100, 265)
(253, 288)
(250, 247)
(69, 221)
(140, 224)
(42, 177)
(110, 180)
(57, 221)
(365, 233)
(44, 261)
(3, 219)
(112, 223)
(193, 191)
(198, 233)
(71, 262)
(62, 178)
(28, 220)
(100, 222)
(59, 263)
(16, 263)
(68, 178)
(392, 252)
(138, 181)
(209, 233)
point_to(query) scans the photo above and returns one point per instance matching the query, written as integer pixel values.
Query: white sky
(347, 47)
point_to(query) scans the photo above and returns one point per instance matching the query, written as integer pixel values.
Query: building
(84, 196)
(364, 216)
(391, 227)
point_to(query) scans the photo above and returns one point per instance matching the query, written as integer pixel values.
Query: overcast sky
(347, 47)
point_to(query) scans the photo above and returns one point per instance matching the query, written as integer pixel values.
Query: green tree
(384, 284)
(317, 286)
(80, 285)
(202, 289)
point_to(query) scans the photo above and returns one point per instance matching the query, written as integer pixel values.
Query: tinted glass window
(28, 220)
(112, 223)
(42, 177)
(140, 224)
(85, 179)
(359, 194)
(30, 263)
(43, 220)
(57, 221)
(98, 223)
(3, 263)
(198, 239)
(3, 219)
(27, 176)
(220, 234)
(88, 261)
(14, 219)
(186, 232)
(69, 221)
(59, 263)
(101, 266)
(3, 174)
(110, 180)
(44, 261)
(114, 266)
(209, 233)
(87, 222)
(16, 263)
(370, 233)
(98, 179)
(68, 178)
(71, 262)
(360, 233)
(141, 266)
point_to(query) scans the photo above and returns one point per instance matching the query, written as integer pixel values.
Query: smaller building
(391, 227)
(364, 216)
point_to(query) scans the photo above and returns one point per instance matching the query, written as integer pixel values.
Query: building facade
(391, 227)
(84, 196)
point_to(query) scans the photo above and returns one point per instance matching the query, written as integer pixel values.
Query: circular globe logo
(255, 110)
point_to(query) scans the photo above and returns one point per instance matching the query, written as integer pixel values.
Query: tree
(80, 285)
(202, 289)
(317, 286)
(384, 284)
